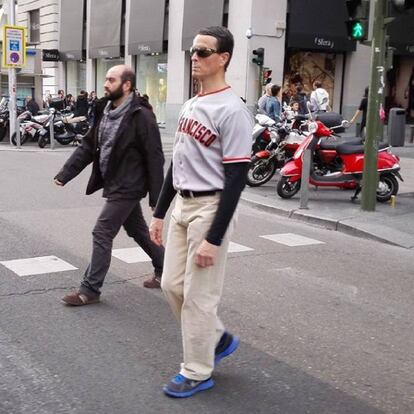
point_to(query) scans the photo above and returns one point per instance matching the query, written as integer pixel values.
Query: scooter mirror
(309, 106)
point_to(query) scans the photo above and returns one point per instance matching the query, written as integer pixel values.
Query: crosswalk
(52, 264)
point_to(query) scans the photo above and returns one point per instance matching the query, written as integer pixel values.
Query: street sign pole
(375, 97)
(12, 80)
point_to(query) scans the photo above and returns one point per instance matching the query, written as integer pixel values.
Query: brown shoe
(153, 283)
(76, 298)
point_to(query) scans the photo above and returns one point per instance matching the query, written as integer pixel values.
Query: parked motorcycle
(66, 129)
(339, 165)
(281, 147)
(30, 127)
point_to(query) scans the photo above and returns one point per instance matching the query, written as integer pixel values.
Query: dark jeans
(117, 213)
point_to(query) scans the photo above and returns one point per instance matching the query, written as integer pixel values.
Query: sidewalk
(333, 209)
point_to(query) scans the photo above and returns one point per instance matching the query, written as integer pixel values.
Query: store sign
(14, 46)
(321, 42)
(51, 55)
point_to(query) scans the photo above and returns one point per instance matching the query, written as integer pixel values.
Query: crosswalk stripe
(37, 265)
(237, 248)
(131, 255)
(291, 239)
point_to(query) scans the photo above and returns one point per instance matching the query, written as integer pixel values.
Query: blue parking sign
(14, 45)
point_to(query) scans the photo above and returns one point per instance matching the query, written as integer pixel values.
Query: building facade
(304, 41)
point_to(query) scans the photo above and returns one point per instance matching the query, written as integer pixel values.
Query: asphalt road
(325, 328)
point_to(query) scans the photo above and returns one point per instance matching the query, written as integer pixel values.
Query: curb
(330, 224)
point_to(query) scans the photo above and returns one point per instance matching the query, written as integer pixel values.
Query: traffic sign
(14, 46)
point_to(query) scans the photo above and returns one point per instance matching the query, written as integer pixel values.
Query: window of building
(152, 80)
(75, 77)
(34, 26)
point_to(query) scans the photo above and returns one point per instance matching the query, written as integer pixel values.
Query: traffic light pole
(375, 97)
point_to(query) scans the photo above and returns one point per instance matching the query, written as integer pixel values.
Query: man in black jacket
(124, 147)
(82, 104)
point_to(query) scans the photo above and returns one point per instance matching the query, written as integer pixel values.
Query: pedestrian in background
(301, 98)
(124, 146)
(32, 106)
(211, 158)
(319, 98)
(261, 103)
(362, 109)
(91, 107)
(82, 105)
(69, 102)
(273, 104)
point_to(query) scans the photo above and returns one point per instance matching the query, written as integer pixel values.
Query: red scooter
(346, 165)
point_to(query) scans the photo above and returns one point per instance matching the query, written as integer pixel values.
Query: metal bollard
(304, 185)
(52, 133)
(18, 141)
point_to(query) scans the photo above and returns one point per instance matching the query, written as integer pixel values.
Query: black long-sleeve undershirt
(234, 183)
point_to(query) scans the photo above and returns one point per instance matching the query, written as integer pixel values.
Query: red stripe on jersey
(236, 159)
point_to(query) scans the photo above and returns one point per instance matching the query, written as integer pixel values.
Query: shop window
(152, 80)
(75, 77)
(34, 26)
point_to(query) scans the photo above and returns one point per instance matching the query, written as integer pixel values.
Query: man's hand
(206, 254)
(155, 230)
(57, 182)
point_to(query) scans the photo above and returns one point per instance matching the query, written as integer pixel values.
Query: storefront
(105, 27)
(72, 45)
(152, 80)
(75, 77)
(400, 90)
(147, 41)
(317, 43)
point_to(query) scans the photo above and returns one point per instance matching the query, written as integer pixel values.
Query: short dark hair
(275, 90)
(366, 91)
(128, 75)
(225, 40)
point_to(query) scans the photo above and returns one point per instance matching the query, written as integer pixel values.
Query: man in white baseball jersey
(208, 171)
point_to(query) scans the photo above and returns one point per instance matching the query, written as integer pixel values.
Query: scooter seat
(347, 149)
(333, 143)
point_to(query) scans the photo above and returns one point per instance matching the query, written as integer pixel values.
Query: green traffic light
(357, 31)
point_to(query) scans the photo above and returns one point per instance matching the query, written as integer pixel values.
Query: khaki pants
(194, 292)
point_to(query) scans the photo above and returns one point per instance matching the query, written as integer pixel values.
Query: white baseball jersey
(213, 129)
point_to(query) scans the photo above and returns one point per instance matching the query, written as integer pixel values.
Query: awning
(105, 28)
(199, 14)
(401, 32)
(319, 25)
(146, 26)
(71, 29)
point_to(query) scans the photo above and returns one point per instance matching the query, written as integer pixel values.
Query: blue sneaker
(226, 346)
(182, 387)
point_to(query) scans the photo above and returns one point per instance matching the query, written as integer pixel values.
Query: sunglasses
(202, 52)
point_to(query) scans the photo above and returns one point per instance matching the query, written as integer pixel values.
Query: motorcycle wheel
(260, 171)
(42, 141)
(285, 189)
(387, 187)
(23, 139)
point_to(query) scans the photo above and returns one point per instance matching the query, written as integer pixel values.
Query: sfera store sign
(321, 42)
(50, 55)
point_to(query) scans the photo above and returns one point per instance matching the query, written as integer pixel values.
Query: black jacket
(82, 106)
(136, 162)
